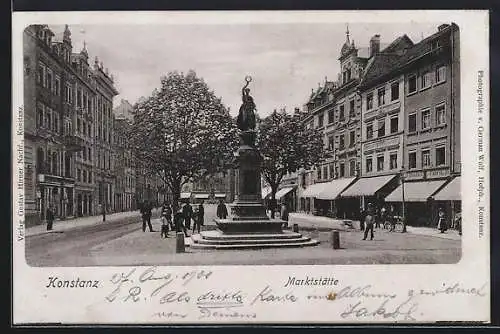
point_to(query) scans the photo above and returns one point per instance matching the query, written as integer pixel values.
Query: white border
(33, 302)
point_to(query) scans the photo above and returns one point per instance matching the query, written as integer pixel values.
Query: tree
(182, 131)
(286, 145)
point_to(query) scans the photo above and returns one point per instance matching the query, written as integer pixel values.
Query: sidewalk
(60, 226)
(310, 222)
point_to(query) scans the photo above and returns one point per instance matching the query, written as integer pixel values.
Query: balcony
(73, 143)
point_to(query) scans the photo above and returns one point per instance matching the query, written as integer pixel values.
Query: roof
(398, 54)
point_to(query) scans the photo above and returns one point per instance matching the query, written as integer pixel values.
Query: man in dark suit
(50, 217)
(146, 211)
(199, 217)
(221, 210)
(187, 212)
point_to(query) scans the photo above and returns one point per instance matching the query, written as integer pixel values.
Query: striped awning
(414, 191)
(314, 189)
(333, 188)
(450, 192)
(367, 186)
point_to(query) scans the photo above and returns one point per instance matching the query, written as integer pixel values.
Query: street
(122, 242)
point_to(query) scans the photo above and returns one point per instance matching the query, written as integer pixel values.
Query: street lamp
(402, 176)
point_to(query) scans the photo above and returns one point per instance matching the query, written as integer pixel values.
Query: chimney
(443, 26)
(374, 45)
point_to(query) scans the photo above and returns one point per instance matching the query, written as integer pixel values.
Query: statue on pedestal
(246, 116)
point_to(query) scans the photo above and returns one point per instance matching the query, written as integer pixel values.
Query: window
(369, 166)
(412, 160)
(78, 126)
(441, 74)
(325, 172)
(90, 177)
(341, 113)
(394, 124)
(412, 123)
(412, 84)
(331, 116)
(352, 167)
(352, 138)
(352, 112)
(47, 117)
(395, 91)
(48, 79)
(318, 173)
(79, 98)
(40, 78)
(426, 119)
(426, 80)
(84, 176)
(381, 96)
(89, 154)
(320, 120)
(341, 142)
(89, 131)
(57, 86)
(381, 128)
(56, 124)
(331, 140)
(84, 127)
(369, 101)
(380, 163)
(39, 115)
(84, 153)
(426, 158)
(79, 174)
(369, 131)
(332, 171)
(440, 115)
(440, 156)
(342, 169)
(393, 161)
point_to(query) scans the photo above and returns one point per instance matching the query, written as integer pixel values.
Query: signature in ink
(404, 310)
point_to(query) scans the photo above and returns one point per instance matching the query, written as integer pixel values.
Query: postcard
(244, 167)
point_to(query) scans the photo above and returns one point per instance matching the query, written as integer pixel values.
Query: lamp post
(402, 176)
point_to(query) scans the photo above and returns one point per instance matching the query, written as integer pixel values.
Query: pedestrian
(221, 210)
(199, 217)
(442, 226)
(383, 216)
(164, 225)
(369, 221)
(284, 213)
(362, 214)
(392, 218)
(179, 222)
(167, 212)
(49, 217)
(187, 211)
(146, 216)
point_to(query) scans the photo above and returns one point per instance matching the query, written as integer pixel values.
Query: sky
(285, 60)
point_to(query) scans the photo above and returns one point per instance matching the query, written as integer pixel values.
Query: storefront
(450, 198)
(420, 209)
(365, 190)
(287, 195)
(330, 194)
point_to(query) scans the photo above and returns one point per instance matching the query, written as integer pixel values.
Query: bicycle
(398, 225)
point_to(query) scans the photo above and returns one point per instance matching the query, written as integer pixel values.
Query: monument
(248, 225)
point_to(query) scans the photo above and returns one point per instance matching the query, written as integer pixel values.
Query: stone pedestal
(248, 214)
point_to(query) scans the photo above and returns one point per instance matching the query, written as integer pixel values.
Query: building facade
(60, 97)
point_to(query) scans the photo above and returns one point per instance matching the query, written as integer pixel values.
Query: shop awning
(201, 196)
(414, 191)
(367, 186)
(185, 195)
(220, 195)
(265, 191)
(333, 188)
(314, 189)
(450, 192)
(282, 192)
